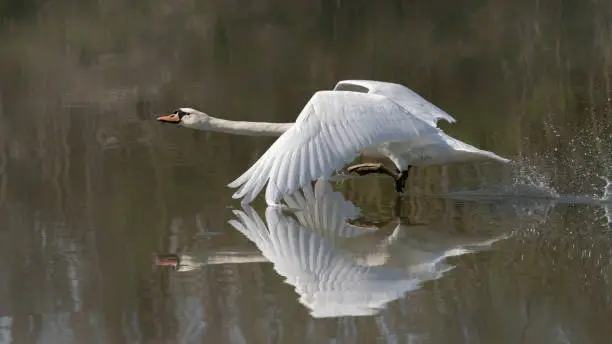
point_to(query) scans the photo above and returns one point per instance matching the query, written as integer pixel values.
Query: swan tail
(495, 157)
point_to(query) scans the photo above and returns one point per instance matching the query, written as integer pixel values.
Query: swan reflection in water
(337, 268)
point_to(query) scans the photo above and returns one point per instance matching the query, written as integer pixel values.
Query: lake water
(98, 201)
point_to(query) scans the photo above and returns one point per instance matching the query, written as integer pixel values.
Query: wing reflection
(333, 266)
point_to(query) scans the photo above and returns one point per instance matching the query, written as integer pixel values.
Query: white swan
(372, 118)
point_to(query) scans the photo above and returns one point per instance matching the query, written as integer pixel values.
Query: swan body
(359, 117)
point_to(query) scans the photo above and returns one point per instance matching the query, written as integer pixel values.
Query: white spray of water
(607, 198)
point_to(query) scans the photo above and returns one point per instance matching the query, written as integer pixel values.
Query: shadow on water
(91, 187)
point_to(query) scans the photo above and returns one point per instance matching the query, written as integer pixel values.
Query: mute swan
(372, 118)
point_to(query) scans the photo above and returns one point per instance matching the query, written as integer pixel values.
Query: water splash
(532, 195)
(530, 181)
(569, 170)
(526, 182)
(607, 198)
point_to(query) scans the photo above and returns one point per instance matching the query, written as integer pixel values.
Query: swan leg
(400, 180)
(397, 207)
(368, 168)
(361, 222)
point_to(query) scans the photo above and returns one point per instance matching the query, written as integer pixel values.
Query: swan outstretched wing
(331, 130)
(400, 94)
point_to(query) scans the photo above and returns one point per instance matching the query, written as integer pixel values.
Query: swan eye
(179, 113)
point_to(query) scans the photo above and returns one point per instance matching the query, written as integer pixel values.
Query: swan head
(186, 117)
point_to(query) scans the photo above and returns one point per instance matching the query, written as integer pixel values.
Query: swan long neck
(248, 128)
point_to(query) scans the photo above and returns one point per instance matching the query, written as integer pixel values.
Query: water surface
(93, 189)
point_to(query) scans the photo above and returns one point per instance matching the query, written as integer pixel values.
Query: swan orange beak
(174, 118)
